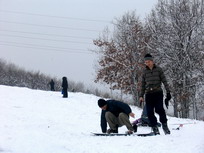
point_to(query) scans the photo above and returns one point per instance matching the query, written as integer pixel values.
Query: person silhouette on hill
(52, 85)
(64, 87)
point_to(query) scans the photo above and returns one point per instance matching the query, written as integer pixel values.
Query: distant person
(64, 87)
(52, 85)
(152, 79)
(117, 114)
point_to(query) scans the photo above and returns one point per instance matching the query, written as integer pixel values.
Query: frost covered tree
(176, 29)
(120, 55)
(12, 75)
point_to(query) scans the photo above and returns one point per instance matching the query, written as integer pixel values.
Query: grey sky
(55, 36)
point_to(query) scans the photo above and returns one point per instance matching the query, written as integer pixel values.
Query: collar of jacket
(152, 68)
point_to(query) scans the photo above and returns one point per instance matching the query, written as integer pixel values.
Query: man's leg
(124, 120)
(112, 121)
(65, 94)
(150, 104)
(150, 109)
(159, 109)
(162, 114)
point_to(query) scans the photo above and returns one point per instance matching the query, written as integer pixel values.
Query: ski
(180, 125)
(178, 128)
(124, 134)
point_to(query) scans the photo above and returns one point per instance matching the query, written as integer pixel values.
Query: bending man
(117, 114)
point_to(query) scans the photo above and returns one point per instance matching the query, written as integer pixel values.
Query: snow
(34, 121)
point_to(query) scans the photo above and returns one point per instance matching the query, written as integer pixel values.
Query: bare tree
(121, 55)
(176, 28)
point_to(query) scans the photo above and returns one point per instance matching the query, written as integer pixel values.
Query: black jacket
(64, 83)
(115, 107)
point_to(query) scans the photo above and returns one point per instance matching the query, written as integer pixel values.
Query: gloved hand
(166, 103)
(168, 97)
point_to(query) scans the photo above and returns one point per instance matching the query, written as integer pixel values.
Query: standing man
(152, 79)
(64, 87)
(52, 85)
(117, 114)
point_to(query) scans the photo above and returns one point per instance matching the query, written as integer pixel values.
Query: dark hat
(101, 102)
(64, 78)
(148, 57)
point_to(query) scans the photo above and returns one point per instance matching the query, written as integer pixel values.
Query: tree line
(173, 33)
(12, 75)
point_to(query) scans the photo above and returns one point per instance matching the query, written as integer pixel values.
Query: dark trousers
(154, 102)
(122, 119)
(65, 94)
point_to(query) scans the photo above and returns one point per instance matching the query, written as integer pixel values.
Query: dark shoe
(158, 124)
(112, 131)
(135, 128)
(155, 130)
(165, 128)
(129, 132)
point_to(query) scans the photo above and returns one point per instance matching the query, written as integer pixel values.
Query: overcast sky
(55, 36)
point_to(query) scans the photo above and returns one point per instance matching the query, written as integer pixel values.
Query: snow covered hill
(34, 121)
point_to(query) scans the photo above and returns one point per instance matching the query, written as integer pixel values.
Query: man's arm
(142, 91)
(143, 85)
(164, 81)
(103, 121)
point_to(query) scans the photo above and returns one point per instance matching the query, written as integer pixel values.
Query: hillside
(35, 121)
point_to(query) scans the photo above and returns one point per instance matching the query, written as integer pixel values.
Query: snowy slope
(34, 121)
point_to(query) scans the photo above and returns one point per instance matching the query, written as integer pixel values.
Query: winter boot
(155, 130)
(135, 128)
(112, 131)
(165, 128)
(129, 132)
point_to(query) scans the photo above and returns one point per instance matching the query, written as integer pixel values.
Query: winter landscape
(35, 121)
